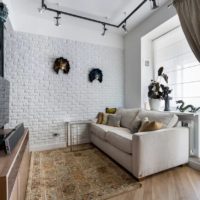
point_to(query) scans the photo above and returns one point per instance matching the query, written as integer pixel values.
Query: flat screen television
(4, 101)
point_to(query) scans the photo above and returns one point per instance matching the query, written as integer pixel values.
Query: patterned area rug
(82, 175)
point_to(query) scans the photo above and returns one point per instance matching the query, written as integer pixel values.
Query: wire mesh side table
(78, 137)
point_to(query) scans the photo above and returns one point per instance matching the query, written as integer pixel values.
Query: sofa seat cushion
(121, 139)
(101, 130)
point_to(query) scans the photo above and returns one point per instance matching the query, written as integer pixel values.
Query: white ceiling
(98, 9)
(112, 11)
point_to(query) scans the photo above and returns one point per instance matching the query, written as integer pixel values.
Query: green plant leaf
(165, 77)
(160, 71)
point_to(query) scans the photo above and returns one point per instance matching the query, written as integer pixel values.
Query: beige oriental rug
(82, 175)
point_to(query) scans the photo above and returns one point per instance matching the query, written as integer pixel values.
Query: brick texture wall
(44, 100)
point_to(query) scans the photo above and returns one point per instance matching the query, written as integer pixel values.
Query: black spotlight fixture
(104, 30)
(154, 4)
(124, 27)
(57, 18)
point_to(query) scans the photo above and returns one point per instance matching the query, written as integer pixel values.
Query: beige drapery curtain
(189, 15)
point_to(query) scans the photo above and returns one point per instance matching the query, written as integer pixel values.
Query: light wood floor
(181, 183)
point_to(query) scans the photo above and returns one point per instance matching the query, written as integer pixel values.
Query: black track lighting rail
(44, 6)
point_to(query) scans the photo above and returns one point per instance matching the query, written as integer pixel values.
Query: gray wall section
(133, 54)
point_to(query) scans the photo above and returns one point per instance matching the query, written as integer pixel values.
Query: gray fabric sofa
(144, 153)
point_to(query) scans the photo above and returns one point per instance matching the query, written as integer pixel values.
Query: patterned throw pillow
(111, 110)
(114, 120)
(105, 118)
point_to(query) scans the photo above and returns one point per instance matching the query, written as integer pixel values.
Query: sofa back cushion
(168, 119)
(127, 117)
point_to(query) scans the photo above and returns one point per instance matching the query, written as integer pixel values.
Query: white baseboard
(47, 147)
(194, 163)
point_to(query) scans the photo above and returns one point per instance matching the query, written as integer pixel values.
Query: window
(172, 51)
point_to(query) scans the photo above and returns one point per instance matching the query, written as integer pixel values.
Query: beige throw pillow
(150, 126)
(146, 119)
(102, 118)
(99, 118)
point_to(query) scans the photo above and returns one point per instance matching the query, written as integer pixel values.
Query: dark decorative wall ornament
(95, 74)
(3, 12)
(3, 17)
(61, 64)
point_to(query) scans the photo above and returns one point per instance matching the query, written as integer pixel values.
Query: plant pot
(155, 104)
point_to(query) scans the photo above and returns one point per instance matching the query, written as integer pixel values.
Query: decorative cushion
(102, 118)
(114, 120)
(111, 110)
(105, 118)
(144, 121)
(136, 123)
(99, 118)
(150, 126)
(169, 120)
(127, 117)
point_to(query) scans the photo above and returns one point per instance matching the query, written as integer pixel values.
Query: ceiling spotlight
(42, 9)
(154, 4)
(104, 30)
(124, 27)
(57, 18)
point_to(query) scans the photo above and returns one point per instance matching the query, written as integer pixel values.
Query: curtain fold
(189, 15)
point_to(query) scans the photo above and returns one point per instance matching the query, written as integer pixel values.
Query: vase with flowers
(158, 91)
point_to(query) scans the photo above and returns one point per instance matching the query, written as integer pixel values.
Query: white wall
(44, 100)
(133, 70)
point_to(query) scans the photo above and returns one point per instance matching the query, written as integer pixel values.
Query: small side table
(78, 137)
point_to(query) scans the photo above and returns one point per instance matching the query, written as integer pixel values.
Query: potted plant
(158, 91)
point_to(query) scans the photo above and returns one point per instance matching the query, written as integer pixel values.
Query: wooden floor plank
(181, 183)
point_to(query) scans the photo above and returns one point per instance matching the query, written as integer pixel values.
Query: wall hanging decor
(3, 17)
(61, 64)
(183, 108)
(3, 12)
(95, 74)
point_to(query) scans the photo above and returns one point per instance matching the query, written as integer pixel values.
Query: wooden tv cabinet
(14, 170)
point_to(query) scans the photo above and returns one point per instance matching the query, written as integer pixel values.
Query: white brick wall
(42, 99)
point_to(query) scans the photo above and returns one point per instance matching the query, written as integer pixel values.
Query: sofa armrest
(156, 151)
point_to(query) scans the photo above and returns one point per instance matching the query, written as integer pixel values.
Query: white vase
(155, 104)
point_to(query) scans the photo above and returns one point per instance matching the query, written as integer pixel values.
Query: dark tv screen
(4, 101)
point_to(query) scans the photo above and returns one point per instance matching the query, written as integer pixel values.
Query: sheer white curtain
(173, 53)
